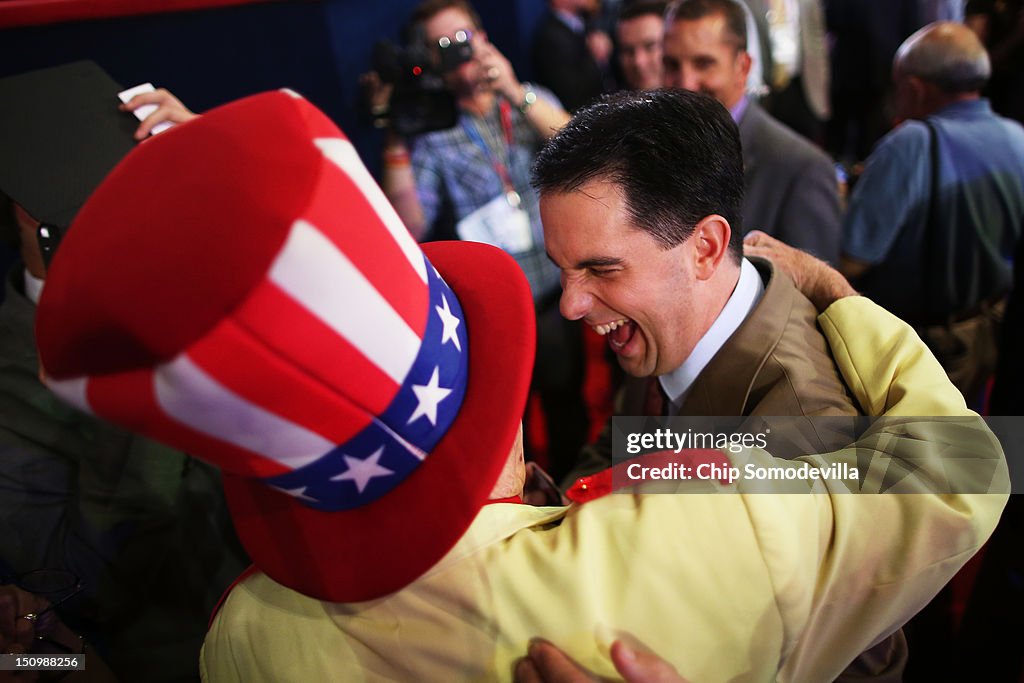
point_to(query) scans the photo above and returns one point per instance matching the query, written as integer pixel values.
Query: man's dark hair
(735, 16)
(641, 8)
(428, 8)
(675, 155)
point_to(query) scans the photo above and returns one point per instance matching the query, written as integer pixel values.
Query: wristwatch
(529, 97)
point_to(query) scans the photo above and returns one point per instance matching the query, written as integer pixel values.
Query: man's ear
(711, 245)
(923, 95)
(745, 62)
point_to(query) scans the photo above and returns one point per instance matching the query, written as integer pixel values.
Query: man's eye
(603, 272)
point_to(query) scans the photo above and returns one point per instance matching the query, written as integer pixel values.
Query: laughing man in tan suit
(641, 200)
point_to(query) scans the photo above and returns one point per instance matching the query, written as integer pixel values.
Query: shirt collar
(744, 298)
(33, 287)
(975, 107)
(739, 109)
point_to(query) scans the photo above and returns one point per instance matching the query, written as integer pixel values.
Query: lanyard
(499, 166)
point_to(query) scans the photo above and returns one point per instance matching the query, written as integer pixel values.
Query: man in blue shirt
(933, 220)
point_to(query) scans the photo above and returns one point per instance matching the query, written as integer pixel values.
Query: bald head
(946, 55)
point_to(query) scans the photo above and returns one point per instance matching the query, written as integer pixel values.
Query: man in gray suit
(790, 187)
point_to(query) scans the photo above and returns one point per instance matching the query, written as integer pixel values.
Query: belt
(947, 319)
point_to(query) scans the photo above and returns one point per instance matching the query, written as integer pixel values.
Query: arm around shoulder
(931, 486)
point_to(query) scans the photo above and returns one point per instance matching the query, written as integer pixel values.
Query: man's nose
(576, 302)
(682, 77)
(688, 79)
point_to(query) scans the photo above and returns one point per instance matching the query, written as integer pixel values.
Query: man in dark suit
(570, 57)
(799, 76)
(641, 198)
(790, 186)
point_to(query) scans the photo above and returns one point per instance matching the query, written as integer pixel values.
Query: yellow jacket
(729, 586)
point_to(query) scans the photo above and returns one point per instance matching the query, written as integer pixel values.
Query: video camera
(420, 102)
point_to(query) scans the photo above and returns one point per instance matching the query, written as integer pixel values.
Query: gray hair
(946, 54)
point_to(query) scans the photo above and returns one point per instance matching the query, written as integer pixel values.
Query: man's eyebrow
(593, 262)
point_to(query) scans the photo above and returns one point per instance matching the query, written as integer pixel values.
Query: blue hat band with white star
(393, 445)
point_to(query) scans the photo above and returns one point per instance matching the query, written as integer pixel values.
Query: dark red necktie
(656, 403)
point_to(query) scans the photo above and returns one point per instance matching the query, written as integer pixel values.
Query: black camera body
(420, 102)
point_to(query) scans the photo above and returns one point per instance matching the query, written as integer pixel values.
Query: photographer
(479, 170)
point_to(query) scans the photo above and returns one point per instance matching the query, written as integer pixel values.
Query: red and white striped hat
(240, 288)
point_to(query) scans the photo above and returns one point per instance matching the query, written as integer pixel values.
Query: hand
(545, 663)
(818, 281)
(168, 108)
(377, 93)
(16, 632)
(496, 70)
(600, 46)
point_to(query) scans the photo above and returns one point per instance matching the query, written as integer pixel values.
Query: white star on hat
(450, 322)
(362, 471)
(428, 395)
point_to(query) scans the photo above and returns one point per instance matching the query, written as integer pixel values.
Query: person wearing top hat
(363, 396)
(141, 529)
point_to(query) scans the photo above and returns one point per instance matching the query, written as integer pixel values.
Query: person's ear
(919, 92)
(745, 62)
(711, 244)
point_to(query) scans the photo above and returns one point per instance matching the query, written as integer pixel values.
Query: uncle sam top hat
(240, 288)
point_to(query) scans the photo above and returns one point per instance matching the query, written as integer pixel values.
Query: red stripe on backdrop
(289, 329)
(38, 12)
(243, 364)
(129, 399)
(342, 213)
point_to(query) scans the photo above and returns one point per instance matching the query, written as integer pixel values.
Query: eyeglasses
(49, 237)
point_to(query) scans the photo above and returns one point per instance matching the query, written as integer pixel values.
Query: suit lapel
(723, 387)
